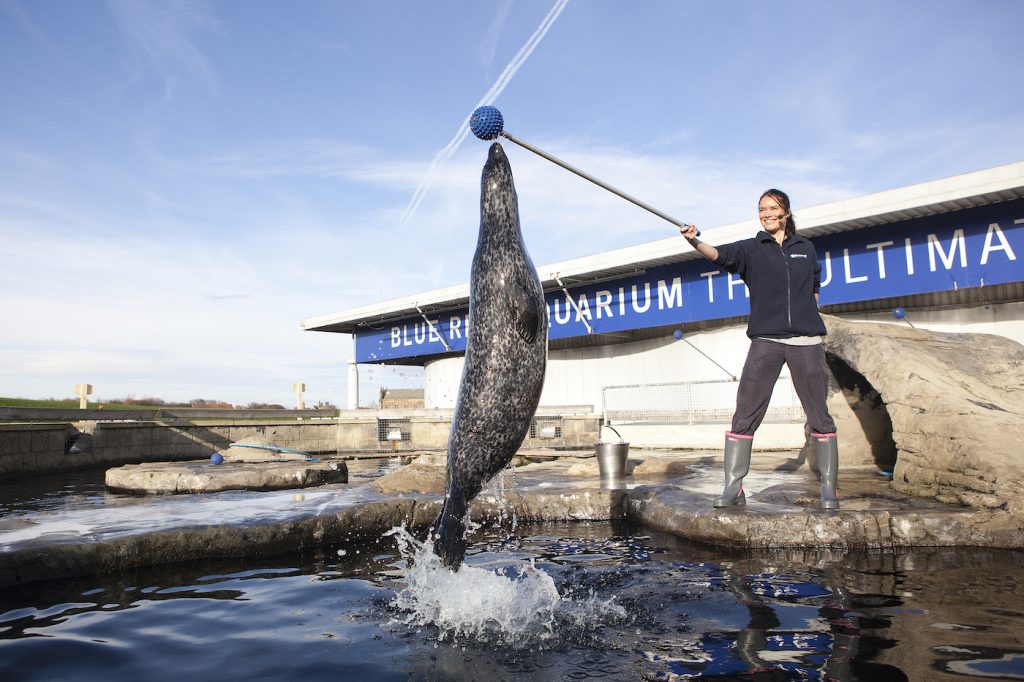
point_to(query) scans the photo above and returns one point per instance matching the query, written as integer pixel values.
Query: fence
(394, 430)
(544, 426)
(692, 402)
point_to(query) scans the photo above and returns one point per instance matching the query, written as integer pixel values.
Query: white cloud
(489, 40)
(309, 157)
(164, 34)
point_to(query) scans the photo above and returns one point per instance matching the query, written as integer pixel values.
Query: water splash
(506, 513)
(516, 605)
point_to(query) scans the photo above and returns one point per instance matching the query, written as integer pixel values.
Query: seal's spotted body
(506, 353)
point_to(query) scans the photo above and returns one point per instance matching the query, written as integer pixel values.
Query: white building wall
(578, 376)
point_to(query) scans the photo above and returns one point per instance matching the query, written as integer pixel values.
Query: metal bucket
(611, 458)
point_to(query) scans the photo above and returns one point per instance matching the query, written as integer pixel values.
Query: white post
(299, 390)
(83, 390)
(353, 385)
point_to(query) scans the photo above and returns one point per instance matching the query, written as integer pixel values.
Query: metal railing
(156, 414)
(692, 402)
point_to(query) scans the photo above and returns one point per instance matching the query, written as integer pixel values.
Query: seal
(506, 355)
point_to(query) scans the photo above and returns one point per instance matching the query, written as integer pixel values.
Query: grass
(69, 403)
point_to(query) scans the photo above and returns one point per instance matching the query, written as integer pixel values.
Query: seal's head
(498, 200)
(496, 158)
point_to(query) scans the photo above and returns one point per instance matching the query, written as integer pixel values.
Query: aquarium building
(638, 329)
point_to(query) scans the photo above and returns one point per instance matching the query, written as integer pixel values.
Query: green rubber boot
(737, 464)
(826, 456)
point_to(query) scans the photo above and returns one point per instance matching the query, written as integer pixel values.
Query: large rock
(206, 477)
(954, 404)
(417, 477)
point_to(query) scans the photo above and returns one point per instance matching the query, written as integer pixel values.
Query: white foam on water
(36, 530)
(133, 516)
(516, 605)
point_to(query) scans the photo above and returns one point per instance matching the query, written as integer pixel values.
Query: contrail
(488, 98)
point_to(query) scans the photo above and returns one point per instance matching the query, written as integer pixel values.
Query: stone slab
(207, 477)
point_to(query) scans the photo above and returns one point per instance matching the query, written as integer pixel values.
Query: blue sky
(182, 182)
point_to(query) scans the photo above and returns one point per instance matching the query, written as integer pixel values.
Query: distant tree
(130, 399)
(210, 404)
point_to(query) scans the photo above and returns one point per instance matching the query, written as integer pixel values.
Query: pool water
(633, 605)
(51, 492)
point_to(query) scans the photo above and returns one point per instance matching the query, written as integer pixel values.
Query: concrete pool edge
(666, 507)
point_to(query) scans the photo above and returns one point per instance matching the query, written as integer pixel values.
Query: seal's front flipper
(526, 316)
(451, 546)
(449, 534)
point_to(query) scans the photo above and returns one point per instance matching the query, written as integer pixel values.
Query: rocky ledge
(669, 491)
(207, 477)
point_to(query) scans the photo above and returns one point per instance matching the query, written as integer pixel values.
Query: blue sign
(970, 248)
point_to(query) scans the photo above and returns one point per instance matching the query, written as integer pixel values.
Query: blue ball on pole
(678, 334)
(217, 458)
(486, 122)
(899, 313)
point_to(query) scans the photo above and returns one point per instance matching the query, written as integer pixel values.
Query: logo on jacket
(798, 255)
